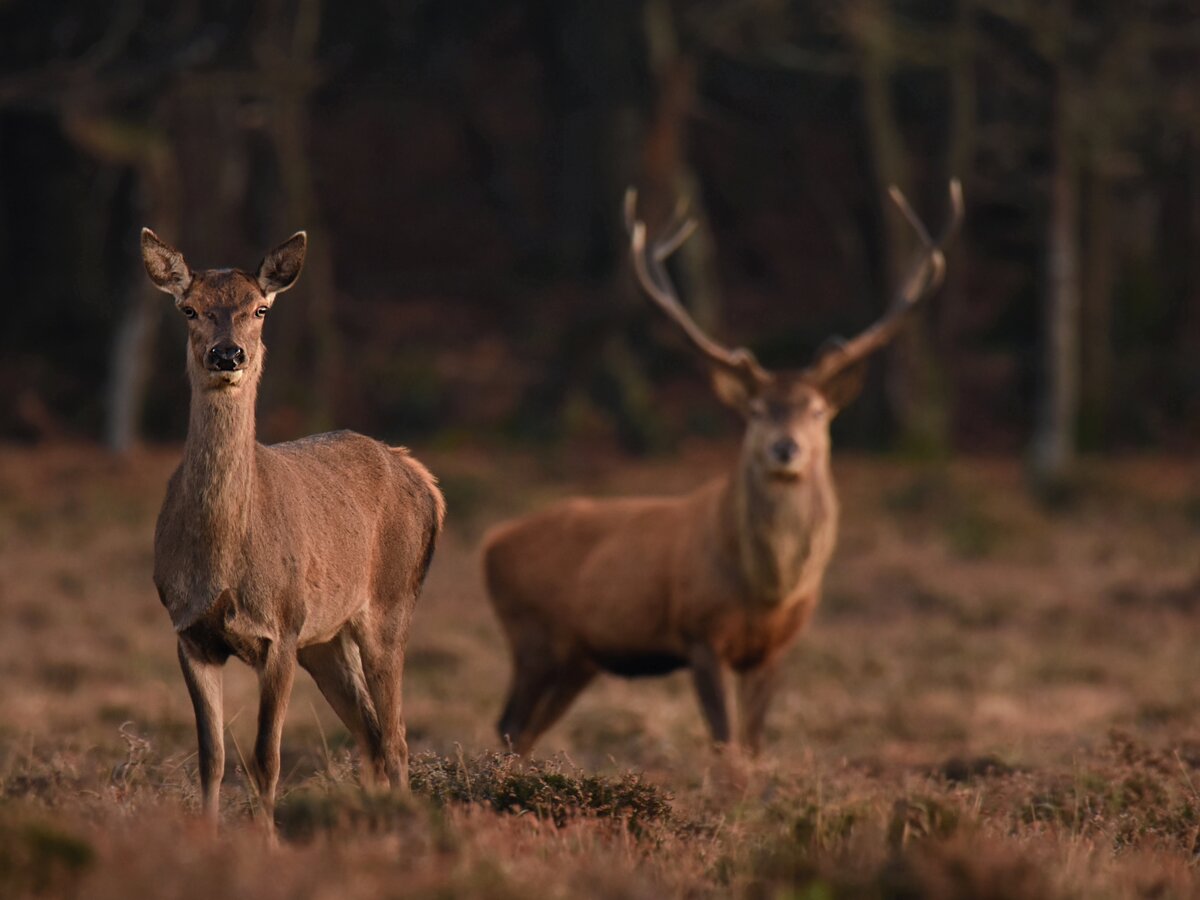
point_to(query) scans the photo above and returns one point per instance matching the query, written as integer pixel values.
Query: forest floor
(995, 699)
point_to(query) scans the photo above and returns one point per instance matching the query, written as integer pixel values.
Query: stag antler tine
(926, 275)
(914, 220)
(957, 209)
(648, 266)
(658, 275)
(677, 230)
(630, 206)
(673, 242)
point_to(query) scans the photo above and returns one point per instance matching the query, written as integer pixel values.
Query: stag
(720, 579)
(312, 551)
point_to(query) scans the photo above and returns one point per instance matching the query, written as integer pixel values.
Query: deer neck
(782, 532)
(219, 467)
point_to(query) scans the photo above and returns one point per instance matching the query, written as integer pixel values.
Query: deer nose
(785, 450)
(226, 356)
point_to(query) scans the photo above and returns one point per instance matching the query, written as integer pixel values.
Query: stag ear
(732, 390)
(281, 267)
(842, 389)
(165, 265)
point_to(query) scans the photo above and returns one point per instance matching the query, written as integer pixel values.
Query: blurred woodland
(459, 167)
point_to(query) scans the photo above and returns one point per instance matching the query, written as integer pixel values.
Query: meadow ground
(996, 699)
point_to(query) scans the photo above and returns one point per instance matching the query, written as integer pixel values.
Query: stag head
(224, 308)
(787, 413)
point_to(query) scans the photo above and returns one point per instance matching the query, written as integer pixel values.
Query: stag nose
(785, 450)
(226, 356)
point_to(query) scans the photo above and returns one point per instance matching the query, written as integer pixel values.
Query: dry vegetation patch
(996, 699)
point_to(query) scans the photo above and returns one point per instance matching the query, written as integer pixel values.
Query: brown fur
(723, 578)
(311, 551)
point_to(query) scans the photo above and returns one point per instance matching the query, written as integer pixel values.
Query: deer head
(224, 308)
(787, 413)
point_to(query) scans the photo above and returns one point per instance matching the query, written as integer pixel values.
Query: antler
(653, 277)
(924, 278)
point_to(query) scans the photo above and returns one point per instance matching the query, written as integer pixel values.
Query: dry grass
(996, 700)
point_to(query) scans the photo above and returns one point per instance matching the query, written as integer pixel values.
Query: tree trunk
(1096, 356)
(960, 162)
(666, 168)
(916, 388)
(1054, 442)
(313, 351)
(147, 151)
(309, 353)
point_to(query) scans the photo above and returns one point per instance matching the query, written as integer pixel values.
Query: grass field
(996, 699)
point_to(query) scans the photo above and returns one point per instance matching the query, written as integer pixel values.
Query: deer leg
(336, 667)
(531, 680)
(556, 693)
(275, 679)
(755, 690)
(382, 652)
(203, 678)
(518, 706)
(708, 675)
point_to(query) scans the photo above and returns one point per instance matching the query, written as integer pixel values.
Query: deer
(312, 551)
(719, 580)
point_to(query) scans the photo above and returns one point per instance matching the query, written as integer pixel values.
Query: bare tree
(1054, 441)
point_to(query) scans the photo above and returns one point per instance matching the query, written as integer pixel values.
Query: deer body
(719, 580)
(303, 567)
(634, 585)
(309, 552)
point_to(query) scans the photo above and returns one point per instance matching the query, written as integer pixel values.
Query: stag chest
(747, 638)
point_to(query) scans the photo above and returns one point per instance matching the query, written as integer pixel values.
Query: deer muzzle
(225, 357)
(786, 459)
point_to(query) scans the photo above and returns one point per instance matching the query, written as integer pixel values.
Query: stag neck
(782, 533)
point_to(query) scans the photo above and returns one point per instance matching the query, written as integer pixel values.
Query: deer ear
(281, 267)
(841, 389)
(165, 265)
(731, 390)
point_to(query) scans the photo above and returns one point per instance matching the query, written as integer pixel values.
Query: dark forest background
(459, 167)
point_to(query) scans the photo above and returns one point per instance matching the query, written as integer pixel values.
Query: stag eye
(188, 312)
(261, 312)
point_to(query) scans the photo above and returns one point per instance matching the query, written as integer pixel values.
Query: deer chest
(223, 631)
(747, 638)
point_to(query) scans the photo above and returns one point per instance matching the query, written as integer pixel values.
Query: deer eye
(261, 312)
(188, 312)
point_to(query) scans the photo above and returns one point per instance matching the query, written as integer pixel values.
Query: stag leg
(203, 678)
(382, 651)
(708, 675)
(529, 683)
(554, 698)
(337, 669)
(755, 690)
(541, 692)
(275, 678)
